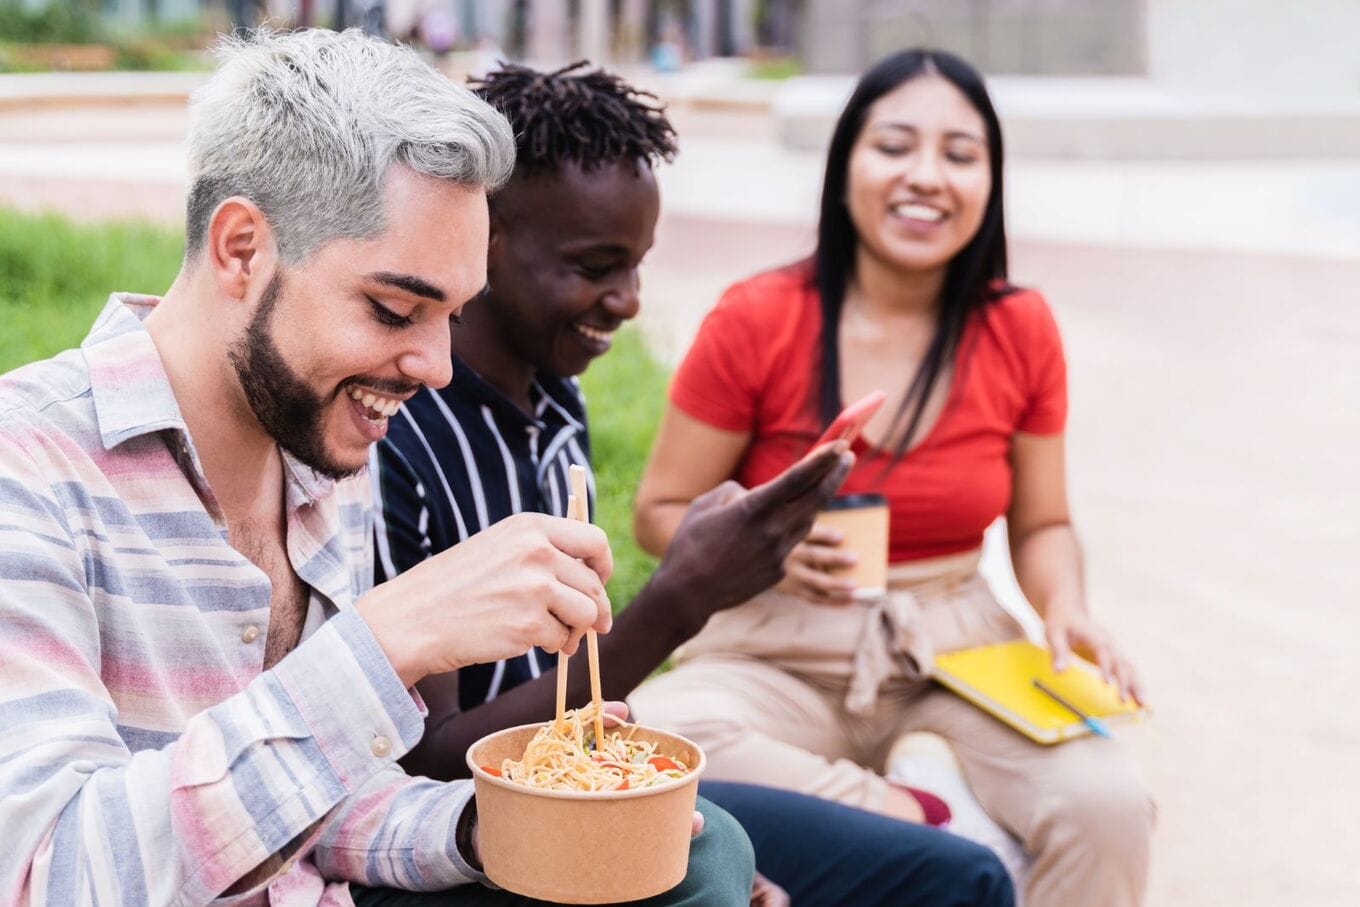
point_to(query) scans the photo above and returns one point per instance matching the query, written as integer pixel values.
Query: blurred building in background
(1262, 47)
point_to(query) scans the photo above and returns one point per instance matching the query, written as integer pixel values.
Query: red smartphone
(852, 419)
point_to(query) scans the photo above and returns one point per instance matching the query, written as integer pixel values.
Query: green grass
(55, 276)
(625, 391)
(170, 45)
(150, 56)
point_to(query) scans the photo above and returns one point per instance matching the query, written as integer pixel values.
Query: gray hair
(306, 125)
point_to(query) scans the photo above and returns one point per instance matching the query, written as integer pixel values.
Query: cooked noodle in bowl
(563, 820)
(563, 755)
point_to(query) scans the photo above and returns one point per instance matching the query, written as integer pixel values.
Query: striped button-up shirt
(458, 459)
(146, 757)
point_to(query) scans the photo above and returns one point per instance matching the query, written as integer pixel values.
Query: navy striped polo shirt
(461, 458)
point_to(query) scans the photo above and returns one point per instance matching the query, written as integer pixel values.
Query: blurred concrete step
(23, 91)
(1113, 119)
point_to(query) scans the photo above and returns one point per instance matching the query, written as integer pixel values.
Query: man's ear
(240, 247)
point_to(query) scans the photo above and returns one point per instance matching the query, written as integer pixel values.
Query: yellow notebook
(999, 679)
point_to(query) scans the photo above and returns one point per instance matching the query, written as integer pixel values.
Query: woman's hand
(807, 569)
(1069, 630)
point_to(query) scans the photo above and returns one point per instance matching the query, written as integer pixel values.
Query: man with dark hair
(567, 234)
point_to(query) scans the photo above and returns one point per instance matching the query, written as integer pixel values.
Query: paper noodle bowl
(582, 847)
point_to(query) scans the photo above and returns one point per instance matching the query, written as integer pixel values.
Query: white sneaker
(927, 761)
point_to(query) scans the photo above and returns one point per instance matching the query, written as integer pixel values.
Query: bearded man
(203, 699)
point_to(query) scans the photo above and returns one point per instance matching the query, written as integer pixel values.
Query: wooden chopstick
(562, 657)
(577, 476)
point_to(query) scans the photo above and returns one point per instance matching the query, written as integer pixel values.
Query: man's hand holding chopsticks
(530, 580)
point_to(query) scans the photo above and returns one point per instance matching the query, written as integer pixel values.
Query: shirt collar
(133, 397)
(131, 391)
(562, 395)
(555, 399)
(304, 485)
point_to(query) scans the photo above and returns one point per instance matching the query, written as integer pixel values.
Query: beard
(290, 411)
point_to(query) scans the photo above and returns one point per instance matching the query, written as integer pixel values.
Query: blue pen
(1095, 724)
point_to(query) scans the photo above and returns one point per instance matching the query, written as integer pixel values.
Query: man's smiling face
(338, 341)
(563, 265)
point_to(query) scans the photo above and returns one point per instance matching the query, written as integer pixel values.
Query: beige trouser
(783, 692)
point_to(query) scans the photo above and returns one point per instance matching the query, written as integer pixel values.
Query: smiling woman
(907, 293)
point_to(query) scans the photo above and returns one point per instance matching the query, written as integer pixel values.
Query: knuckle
(526, 631)
(541, 588)
(517, 522)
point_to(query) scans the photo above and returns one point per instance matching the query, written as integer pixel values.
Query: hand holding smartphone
(852, 419)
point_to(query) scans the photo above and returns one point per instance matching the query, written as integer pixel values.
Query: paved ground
(1211, 324)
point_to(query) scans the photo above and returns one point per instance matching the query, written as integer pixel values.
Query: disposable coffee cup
(863, 520)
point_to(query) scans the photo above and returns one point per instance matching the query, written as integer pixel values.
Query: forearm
(449, 733)
(399, 832)
(654, 524)
(226, 798)
(653, 625)
(1048, 565)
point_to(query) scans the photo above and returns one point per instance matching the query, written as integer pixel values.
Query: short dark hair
(975, 277)
(577, 115)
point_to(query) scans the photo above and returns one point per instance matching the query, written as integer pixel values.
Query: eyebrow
(408, 283)
(952, 134)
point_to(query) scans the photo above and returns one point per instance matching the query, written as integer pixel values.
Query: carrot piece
(662, 764)
(623, 786)
(491, 771)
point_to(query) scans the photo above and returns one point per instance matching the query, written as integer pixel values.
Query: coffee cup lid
(852, 501)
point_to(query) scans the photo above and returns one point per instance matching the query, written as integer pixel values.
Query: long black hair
(974, 275)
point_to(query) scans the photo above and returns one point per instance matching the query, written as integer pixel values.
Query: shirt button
(250, 634)
(381, 746)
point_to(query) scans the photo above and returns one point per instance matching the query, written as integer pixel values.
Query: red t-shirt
(755, 366)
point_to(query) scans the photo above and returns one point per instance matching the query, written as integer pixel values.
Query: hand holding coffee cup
(845, 555)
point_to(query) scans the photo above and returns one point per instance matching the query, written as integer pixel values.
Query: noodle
(562, 756)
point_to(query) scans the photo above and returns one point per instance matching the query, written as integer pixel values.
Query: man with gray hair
(202, 698)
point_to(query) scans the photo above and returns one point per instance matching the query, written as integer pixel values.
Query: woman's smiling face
(919, 176)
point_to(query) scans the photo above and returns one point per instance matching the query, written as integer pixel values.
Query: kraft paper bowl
(581, 847)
